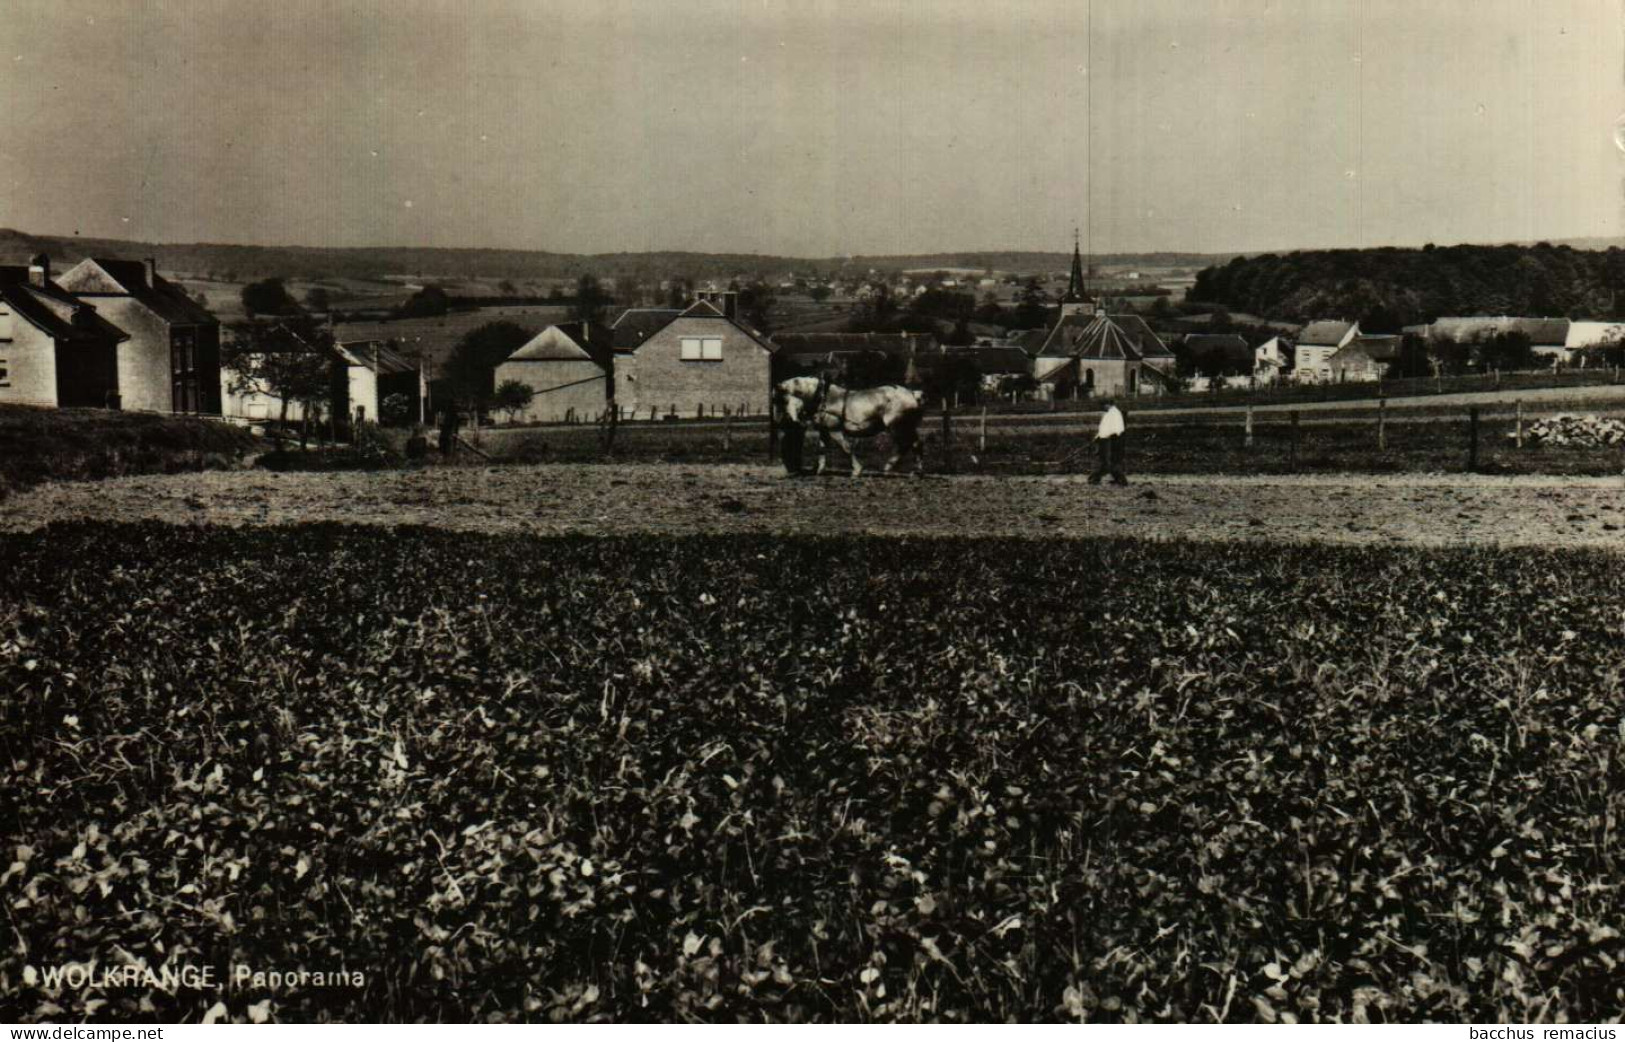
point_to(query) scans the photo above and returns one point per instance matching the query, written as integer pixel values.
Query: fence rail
(1451, 439)
(1294, 394)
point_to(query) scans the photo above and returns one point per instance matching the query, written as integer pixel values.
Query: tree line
(1392, 287)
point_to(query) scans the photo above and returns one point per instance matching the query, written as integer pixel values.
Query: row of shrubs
(85, 444)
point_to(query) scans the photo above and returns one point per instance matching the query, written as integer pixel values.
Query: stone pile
(1582, 431)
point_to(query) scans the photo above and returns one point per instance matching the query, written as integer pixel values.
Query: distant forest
(246, 263)
(1395, 287)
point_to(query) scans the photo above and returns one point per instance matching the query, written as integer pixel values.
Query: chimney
(39, 270)
(730, 303)
(152, 272)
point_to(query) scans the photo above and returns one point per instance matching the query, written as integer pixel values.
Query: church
(1091, 353)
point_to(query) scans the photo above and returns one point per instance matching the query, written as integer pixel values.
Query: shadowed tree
(268, 297)
(290, 359)
(513, 397)
(591, 300)
(471, 368)
(428, 302)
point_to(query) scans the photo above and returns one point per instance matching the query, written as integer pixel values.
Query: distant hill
(232, 263)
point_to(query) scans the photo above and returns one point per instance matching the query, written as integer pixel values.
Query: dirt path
(1428, 510)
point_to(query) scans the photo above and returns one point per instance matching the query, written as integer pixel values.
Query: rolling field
(631, 499)
(791, 778)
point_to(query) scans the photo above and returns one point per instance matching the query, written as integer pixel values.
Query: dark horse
(838, 414)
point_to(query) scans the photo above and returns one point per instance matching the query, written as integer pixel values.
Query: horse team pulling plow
(838, 414)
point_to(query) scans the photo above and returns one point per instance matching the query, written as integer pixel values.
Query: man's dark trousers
(1111, 460)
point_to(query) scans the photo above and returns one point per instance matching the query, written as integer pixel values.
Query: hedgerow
(805, 779)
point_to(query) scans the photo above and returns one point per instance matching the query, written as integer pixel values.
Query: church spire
(1076, 293)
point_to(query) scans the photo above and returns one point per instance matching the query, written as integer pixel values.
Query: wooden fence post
(772, 434)
(1382, 424)
(1518, 430)
(981, 441)
(947, 438)
(1292, 459)
(1472, 438)
(727, 432)
(1247, 440)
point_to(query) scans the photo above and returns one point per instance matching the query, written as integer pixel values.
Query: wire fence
(1459, 439)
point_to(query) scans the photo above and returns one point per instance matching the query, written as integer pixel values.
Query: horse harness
(817, 403)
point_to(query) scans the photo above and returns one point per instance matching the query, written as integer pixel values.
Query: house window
(702, 349)
(5, 372)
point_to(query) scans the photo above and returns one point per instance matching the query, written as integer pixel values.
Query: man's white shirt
(1111, 424)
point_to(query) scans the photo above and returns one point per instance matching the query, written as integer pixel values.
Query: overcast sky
(814, 127)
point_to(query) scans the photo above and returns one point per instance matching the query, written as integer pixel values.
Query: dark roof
(1380, 347)
(165, 299)
(432, 340)
(53, 309)
(893, 345)
(1145, 338)
(993, 360)
(635, 325)
(1090, 336)
(1325, 333)
(1030, 340)
(373, 354)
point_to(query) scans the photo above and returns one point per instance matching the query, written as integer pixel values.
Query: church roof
(1091, 336)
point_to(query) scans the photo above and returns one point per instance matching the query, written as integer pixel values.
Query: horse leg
(905, 439)
(823, 450)
(840, 439)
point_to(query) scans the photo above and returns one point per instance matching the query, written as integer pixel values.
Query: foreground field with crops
(760, 777)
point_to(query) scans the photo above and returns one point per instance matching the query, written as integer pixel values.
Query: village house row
(111, 333)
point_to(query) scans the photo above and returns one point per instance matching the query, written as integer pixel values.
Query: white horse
(838, 414)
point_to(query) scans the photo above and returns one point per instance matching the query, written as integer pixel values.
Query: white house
(1317, 343)
(1272, 360)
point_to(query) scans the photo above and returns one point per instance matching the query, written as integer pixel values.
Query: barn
(567, 382)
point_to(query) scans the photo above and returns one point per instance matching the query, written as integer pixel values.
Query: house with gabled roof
(1272, 360)
(701, 363)
(55, 349)
(566, 370)
(1317, 342)
(171, 361)
(1367, 357)
(367, 372)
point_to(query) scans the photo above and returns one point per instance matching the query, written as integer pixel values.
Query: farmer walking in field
(1109, 444)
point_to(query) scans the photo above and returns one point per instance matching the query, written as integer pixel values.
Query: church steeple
(1076, 300)
(1075, 291)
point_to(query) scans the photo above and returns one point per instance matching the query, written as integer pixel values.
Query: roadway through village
(558, 499)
